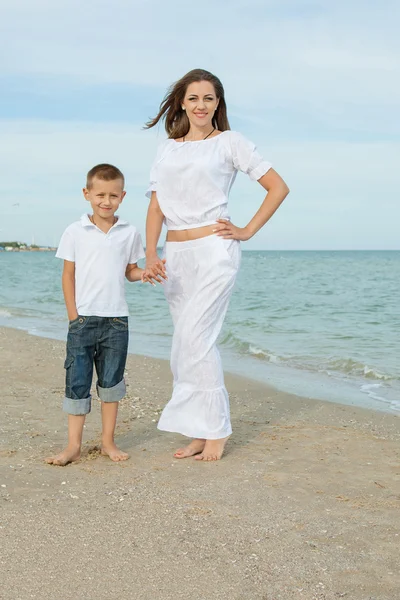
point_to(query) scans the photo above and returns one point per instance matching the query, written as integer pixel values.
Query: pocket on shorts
(119, 323)
(77, 324)
(68, 362)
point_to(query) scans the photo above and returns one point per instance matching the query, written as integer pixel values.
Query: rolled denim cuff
(77, 407)
(112, 394)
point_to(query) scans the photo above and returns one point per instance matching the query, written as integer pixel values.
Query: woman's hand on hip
(229, 231)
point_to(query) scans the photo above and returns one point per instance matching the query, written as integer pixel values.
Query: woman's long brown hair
(176, 121)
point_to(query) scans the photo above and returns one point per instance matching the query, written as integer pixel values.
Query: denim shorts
(101, 342)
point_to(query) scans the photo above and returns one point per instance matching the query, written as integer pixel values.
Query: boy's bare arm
(133, 272)
(68, 286)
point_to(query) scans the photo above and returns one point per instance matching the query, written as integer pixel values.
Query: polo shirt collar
(86, 222)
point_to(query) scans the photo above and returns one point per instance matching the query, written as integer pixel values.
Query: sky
(315, 84)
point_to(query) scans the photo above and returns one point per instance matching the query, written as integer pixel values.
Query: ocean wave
(371, 390)
(329, 366)
(258, 353)
(5, 313)
(242, 347)
(353, 367)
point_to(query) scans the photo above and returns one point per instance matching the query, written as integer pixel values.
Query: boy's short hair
(105, 172)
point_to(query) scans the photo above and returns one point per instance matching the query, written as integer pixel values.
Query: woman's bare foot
(213, 449)
(70, 454)
(114, 453)
(195, 447)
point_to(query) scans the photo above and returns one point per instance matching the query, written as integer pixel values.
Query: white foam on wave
(370, 390)
(261, 353)
(374, 374)
(371, 386)
(349, 366)
(5, 313)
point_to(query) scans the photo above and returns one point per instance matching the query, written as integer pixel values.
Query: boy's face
(105, 196)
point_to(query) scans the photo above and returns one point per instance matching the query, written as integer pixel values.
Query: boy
(98, 251)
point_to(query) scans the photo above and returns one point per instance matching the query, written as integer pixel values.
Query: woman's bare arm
(277, 192)
(155, 267)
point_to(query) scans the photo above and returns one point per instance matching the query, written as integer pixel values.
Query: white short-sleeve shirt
(193, 178)
(100, 263)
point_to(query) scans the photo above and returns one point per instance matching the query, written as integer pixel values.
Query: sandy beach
(304, 505)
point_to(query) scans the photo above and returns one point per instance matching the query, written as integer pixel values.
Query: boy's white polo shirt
(100, 263)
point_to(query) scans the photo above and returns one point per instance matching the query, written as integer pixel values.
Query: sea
(320, 324)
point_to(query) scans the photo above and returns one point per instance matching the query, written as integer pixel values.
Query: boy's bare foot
(195, 447)
(113, 452)
(70, 454)
(213, 449)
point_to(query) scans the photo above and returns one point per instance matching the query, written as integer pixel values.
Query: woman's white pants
(201, 276)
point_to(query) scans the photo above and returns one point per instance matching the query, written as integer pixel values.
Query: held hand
(146, 278)
(229, 231)
(154, 270)
(155, 264)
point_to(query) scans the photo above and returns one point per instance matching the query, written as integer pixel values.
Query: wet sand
(304, 505)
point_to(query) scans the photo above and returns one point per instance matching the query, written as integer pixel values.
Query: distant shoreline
(54, 249)
(28, 249)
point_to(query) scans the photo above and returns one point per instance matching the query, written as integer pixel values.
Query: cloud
(270, 46)
(328, 68)
(315, 84)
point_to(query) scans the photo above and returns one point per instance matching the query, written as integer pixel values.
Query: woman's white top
(193, 179)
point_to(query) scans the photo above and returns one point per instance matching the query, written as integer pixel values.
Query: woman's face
(200, 103)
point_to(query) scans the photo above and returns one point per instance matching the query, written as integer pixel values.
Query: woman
(190, 181)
